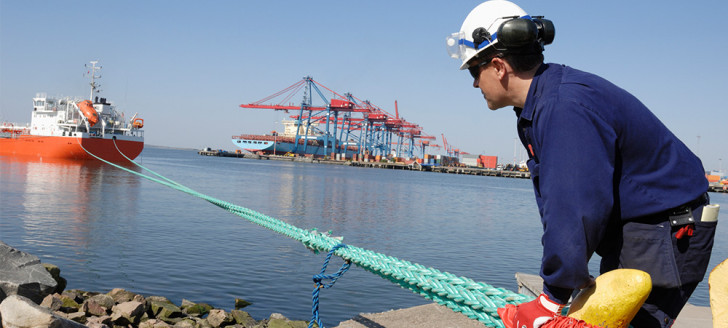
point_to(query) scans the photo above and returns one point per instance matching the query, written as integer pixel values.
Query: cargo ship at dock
(312, 144)
(336, 125)
(69, 128)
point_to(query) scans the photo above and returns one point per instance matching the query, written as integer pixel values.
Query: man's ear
(501, 67)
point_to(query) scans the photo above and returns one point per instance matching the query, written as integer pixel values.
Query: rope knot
(318, 285)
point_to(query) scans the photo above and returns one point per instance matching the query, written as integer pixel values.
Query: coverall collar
(534, 92)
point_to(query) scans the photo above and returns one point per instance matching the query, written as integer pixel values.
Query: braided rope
(476, 300)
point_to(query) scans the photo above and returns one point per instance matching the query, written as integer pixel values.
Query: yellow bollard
(613, 300)
(718, 282)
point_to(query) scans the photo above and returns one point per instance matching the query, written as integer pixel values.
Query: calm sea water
(106, 228)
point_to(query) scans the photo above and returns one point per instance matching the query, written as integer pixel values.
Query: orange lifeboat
(87, 108)
(138, 123)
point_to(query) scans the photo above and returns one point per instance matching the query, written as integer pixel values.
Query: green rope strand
(476, 300)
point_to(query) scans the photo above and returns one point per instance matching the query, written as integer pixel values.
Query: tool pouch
(681, 216)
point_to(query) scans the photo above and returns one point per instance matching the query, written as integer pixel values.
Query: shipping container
(488, 162)
(712, 178)
(470, 160)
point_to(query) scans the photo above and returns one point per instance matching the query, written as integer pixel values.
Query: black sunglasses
(475, 69)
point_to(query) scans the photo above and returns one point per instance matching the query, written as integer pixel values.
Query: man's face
(486, 78)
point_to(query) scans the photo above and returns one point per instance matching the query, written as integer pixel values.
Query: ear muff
(522, 32)
(517, 33)
(546, 30)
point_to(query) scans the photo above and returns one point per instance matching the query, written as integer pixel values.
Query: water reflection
(333, 197)
(61, 202)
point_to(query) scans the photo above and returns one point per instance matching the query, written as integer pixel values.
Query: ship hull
(269, 145)
(71, 148)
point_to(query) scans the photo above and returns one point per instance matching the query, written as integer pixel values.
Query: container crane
(375, 127)
(450, 151)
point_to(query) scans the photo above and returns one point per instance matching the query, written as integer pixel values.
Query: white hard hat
(480, 30)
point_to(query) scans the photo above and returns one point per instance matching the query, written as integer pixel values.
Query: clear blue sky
(185, 66)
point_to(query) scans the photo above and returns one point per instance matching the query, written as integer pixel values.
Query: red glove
(530, 315)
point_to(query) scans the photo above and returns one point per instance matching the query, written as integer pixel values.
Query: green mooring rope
(477, 300)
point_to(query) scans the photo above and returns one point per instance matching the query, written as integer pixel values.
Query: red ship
(70, 128)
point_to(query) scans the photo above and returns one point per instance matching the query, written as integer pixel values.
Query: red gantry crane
(350, 123)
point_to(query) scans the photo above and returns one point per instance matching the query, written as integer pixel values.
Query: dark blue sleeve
(576, 150)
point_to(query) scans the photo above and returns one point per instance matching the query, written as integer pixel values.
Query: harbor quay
(373, 163)
(719, 186)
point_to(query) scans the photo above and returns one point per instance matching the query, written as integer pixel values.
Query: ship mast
(92, 72)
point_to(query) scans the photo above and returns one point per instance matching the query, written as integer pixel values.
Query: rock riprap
(32, 295)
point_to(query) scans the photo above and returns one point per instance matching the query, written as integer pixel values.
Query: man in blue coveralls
(608, 176)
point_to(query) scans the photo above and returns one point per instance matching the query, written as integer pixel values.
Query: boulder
(154, 323)
(241, 303)
(186, 303)
(277, 320)
(186, 323)
(280, 323)
(120, 295)
(299, 324)
(277, 316)
(173, 321)
(55, 272)
(219, 318)
(91, 307)
(21, 312)
(69, 304)
(98, 305)
(79, 317)
(127, 313)
(99, 322)
(60, 313)
(159, 299)
(195, 309)
(23, 274)
(201, 323)
(163, 310)
(52, 302)
(96, 325)
(103, 300)
(74, 294)
(243, 318)
(141, 299)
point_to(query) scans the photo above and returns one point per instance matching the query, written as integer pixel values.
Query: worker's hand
(530, 315)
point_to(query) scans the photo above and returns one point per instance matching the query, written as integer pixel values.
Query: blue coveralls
(606, 172)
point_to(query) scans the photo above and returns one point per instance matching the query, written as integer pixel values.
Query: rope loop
(318, 285)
